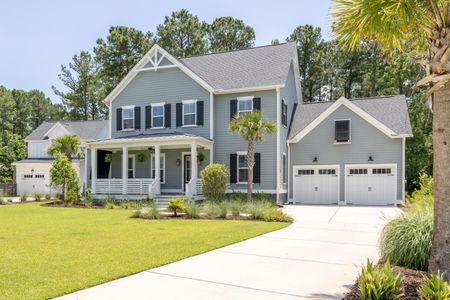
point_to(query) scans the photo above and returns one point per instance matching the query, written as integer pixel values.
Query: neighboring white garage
(316, 184)
(371, 184)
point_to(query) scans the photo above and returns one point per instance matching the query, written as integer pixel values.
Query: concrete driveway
(317, 257)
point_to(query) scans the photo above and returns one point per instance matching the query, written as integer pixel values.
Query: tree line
(327, 72)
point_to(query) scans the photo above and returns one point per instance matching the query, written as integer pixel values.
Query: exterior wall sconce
(178, 162)
(315, 159)
(370, 158)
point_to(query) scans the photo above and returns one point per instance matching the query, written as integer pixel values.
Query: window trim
(240, 99)
(133, 156)
(240, 153)
(349, 132)
(163, 159)
(192, 101)
(160, 104)
(123, 117)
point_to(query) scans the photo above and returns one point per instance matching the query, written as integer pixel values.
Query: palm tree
(67, 145)
(252, 128)
(424, 24)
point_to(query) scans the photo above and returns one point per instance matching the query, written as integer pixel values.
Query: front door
(186, 170)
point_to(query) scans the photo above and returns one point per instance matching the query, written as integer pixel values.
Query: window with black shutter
(342, 131)
(283, 112)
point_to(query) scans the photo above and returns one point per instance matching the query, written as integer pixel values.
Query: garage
(317, 184)
(371, 184)
(30, 183)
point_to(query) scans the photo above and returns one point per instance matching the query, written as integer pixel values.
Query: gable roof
(253, 67)
(387, 113)
(85, 130)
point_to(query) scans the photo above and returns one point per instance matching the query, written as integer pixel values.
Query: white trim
(368, 166)
(278, 141)
(288, 168)
(195, 112)
(247, 89)
(133, 156)
(144, 60)
(241, 152)
(246, 98)
(349, 132)
(211, 116)
(316, 167)
(160, 104)
(155, 68)
(162, 157)
(403, 168)
(123, 118)
(110, 120)
(343, 101)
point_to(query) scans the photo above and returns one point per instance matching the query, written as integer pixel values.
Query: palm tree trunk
(250, 165)
(440, 253)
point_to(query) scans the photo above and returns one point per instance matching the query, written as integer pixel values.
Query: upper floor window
(245, 105)
(158, 115)
(190, 113)
(127, 117)
(342, 131)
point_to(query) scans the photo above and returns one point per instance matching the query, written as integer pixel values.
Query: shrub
(193, 210)
(150, 211)
(48, 197)
(108, 202)
(176, 205)
(260, 196)
(406, 240)
(424, 195)
(223, 209)
(275, 215)
(126, 204)
(257, 209)
(211, 209)
(3, 201)
(71, 196)
(37, 197)
(239, 197)
(435, 288)
(379, 283)
(215, 181)
(236, 208)
(23, 197)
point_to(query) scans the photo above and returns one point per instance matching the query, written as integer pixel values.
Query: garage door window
(306, 172)
(358, 171)
(381, 171)
(327, 171)
(27, 176)
(40, 176)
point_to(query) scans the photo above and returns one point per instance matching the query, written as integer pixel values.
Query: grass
(46, 251)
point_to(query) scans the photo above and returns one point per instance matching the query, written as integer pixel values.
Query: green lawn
(46, 251)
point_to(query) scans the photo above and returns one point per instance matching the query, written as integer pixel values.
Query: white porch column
(124, 169)
(157, 161)
(93, 168)
(86, 172)
(194, 165)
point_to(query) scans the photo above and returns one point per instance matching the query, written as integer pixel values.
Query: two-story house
(169, 118)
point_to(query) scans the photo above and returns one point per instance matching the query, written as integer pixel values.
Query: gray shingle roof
(85, 130)
(253, 67)
(392, 111)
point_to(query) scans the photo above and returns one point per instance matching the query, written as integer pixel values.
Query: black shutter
(257, 168)
(233, 108)
(233, 168)
(257, 103)
(148, 117)
(167, 115)
(137, 117)
(179, 109)
(200, 112)
(283, 113)
(119, 119)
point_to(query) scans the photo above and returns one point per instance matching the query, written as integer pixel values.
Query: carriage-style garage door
(316, 184)
(371, 184)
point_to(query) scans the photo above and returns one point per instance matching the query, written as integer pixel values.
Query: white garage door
(316, 184)
(371, 185)
(32, 183)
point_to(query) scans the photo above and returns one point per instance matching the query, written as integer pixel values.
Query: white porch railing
(136, 186)
(194, 187)
(154, 187)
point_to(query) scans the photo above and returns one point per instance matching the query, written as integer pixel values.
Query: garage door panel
(316, 184)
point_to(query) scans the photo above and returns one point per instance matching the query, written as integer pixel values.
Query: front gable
(56, 130)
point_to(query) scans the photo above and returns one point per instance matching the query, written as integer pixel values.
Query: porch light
(370, 158)
(315, 159)
(178, 162)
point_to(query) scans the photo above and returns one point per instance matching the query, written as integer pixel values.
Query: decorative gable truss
(157, 60)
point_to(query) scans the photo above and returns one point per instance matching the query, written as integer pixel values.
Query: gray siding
(226, 143)
(365, 140)
(165, 85)
(288, 93)
(173, 172)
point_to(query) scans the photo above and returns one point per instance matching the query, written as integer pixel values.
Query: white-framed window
(40, 176)
(27, 176)
(342, 131)
(158, 115)
(245, 105)
(127, 117)
(190, 113)
(162, 167)
(284, 173)
(242, 167)
(131, 166)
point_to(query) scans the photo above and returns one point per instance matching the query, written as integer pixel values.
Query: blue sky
(38, 36)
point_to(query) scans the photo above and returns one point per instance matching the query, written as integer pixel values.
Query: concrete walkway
(317, 257)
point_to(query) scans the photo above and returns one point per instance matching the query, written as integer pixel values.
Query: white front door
(371, 184)
(316, 184)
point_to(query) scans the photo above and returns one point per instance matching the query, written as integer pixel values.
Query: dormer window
(342, 131)
(128, 117)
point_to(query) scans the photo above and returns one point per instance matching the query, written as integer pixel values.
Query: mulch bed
(71, 205)
(411, 281)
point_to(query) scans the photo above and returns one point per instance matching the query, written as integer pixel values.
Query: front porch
(135, 167)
